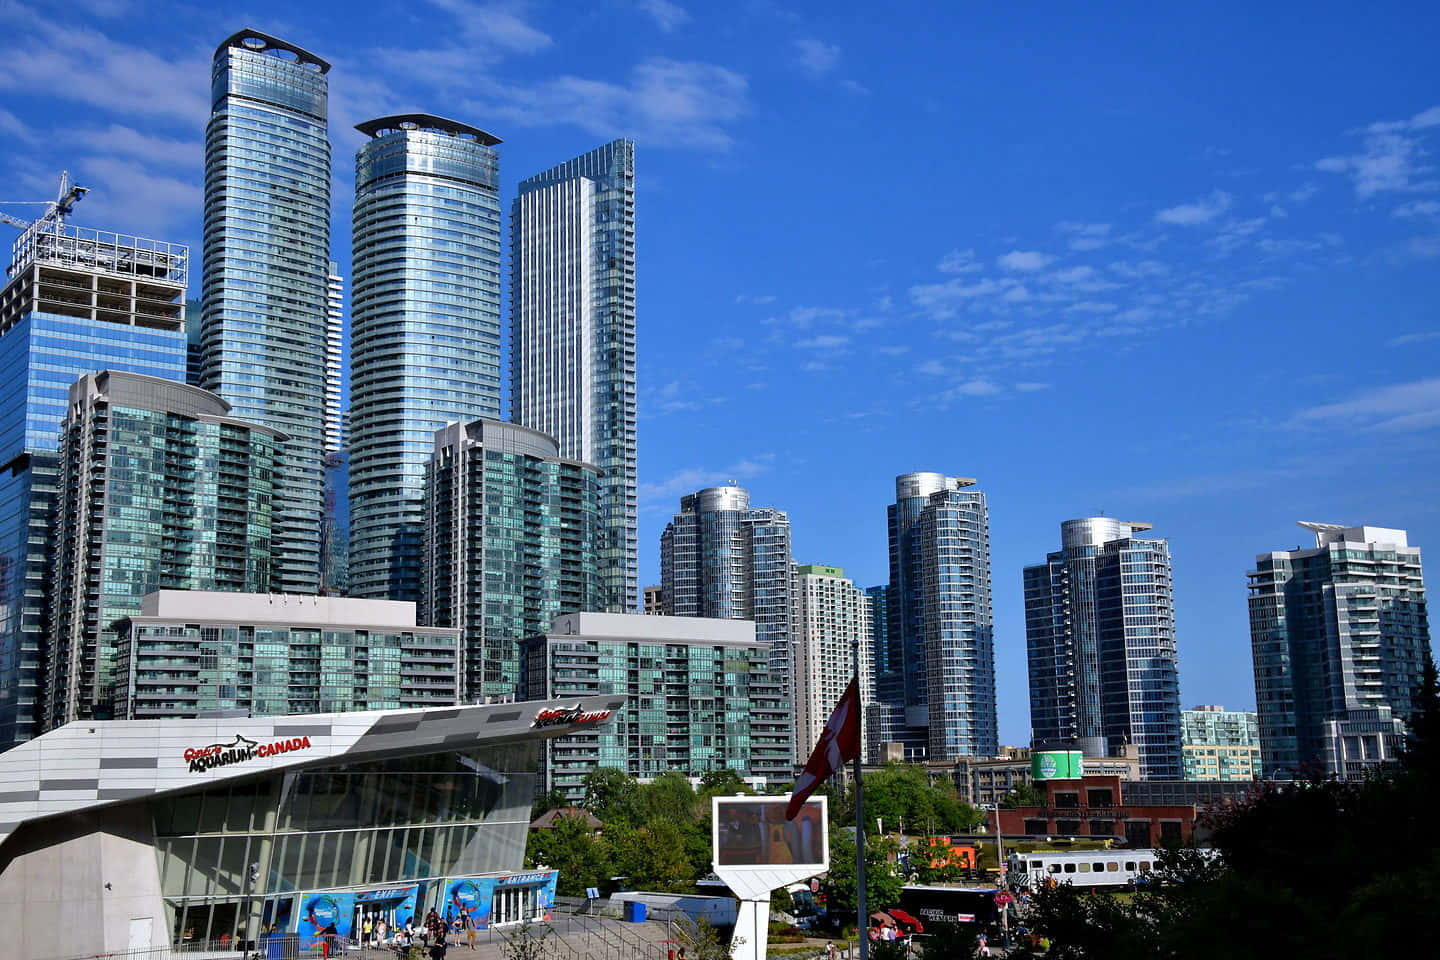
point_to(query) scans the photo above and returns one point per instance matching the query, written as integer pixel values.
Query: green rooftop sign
(1057, 765)
(820, 570)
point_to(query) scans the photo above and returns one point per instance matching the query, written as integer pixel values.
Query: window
(1130, 866)
(1054, 867)
(1145, 866)
(1069, 868)
(1098, 867)
(1112, 867)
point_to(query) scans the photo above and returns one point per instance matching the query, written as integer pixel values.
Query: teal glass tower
(572, 359)
(510, 543)
(159, 488)
(266, 264)
(78, 300)
(425, 327)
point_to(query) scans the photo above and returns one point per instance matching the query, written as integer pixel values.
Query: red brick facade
(1095, 807)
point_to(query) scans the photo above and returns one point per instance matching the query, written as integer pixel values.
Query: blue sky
(1176, 265)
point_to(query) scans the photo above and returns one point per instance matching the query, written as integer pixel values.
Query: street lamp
(1004, 877)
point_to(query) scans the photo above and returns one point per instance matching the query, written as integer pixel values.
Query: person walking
(366, 928)
(982, 945)
(468, 922)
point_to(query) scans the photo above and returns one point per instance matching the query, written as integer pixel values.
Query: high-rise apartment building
(1220, 744)
(1100, 633)
(699, 698)
(335, 424)
(938, 696)
(266, 268)
(875, 728)
(78, 300)
(159, 488)
(572, 361)
(510, 543)
(1338, 634)
(425, 327)
(830, 631)
(722, 558)
(188, 653)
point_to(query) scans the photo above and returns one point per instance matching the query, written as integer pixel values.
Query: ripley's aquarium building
(129, 834)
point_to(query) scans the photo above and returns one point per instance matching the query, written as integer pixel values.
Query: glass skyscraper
(266, 264)
(159, 487)
(572, 362)
(78, 301)
(831, 638)
(1100, 631)
(1338, 634)
(510, 543)
(938, 697)
(425, 327)
(722, 558)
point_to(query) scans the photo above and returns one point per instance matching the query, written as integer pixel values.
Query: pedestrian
(983, 946)
(829, 950)
(468, 922)
(366, 927)
(437, 945)
(382, 929)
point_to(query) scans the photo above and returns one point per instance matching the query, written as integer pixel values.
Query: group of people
(435, 935)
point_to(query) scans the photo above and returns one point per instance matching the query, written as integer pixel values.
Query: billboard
(1057, 765)
(323, 914)
(753, 832)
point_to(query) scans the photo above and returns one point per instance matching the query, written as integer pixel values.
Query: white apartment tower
(830, 622)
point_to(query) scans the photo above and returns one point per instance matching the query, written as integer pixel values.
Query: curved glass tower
(425, 327)
(266, 260)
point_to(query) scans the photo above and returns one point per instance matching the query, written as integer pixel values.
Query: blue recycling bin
(635, 911)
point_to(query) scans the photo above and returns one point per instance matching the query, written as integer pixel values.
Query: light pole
(1004, 878)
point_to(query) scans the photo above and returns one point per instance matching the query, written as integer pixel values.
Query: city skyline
(1220, 268)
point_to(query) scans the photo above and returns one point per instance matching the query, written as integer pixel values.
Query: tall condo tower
(425, 327)
(78, 301)
(572, 360)
(207, 482)
(335, 439)
(1100, 628)
(939, 694)
(266, 264)
(1338, 634)
(509, 545)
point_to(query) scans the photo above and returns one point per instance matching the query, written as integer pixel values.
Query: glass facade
(158, 488)
(572, 314)
(230, 855)
(1338, 635)
(693, 706)
(1100, 631)
(722, 558)
(179, 668)
(510, 543)
(78, 301)
(266, 268)
(425, 319)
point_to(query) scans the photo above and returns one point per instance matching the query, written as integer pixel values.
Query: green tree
(528, 942)
(723, 783)
(702, 941)
(572, 848)
(547, 801)
(611, 794)
(667, 797)
(882, 881)
(1024, 794)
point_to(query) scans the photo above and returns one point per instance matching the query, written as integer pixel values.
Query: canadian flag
(839, 744)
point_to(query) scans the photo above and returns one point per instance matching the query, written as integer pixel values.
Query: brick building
(1095, 806)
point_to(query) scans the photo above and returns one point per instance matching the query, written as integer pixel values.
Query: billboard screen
(1057, 765)
(753, 832)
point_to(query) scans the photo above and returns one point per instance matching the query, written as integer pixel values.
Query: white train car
(1082, 868)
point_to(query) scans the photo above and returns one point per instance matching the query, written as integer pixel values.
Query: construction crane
(57, 209)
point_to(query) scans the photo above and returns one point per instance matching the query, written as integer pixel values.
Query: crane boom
(58, 209)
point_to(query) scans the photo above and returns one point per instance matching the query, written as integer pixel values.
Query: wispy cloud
(1406, 339)
(959, 261)
(1401, 407)
(692, 479)
(1418, 208)
(816, 56)
(1084, 236)
(757, 299)
(823, 342)
(495, 25)
(1391, 157)
(1024, 260)
(667, 16)
(1198, 211)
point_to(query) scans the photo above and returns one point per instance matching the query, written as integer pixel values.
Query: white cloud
(495, 25)
(931, 368)
(855, 86)
(823, 342)
(697, 478)
(1074, 275)
(1139, 271)
(1398, 408)
(1197, 212)
(1391, 158)
(1092, 306)
(1025, 260)
(1026, 386)
(758, 299)
(803, 318)
(1278, 212)
(1418, 208)
(816, 56)
(1303, 193)
(1405, 339)
(1085, 236)
(156, 150)
(667, 16)
(958, 261)
(130, 197)
(937, 294)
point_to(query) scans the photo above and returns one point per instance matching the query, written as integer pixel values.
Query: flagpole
(863, 916)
